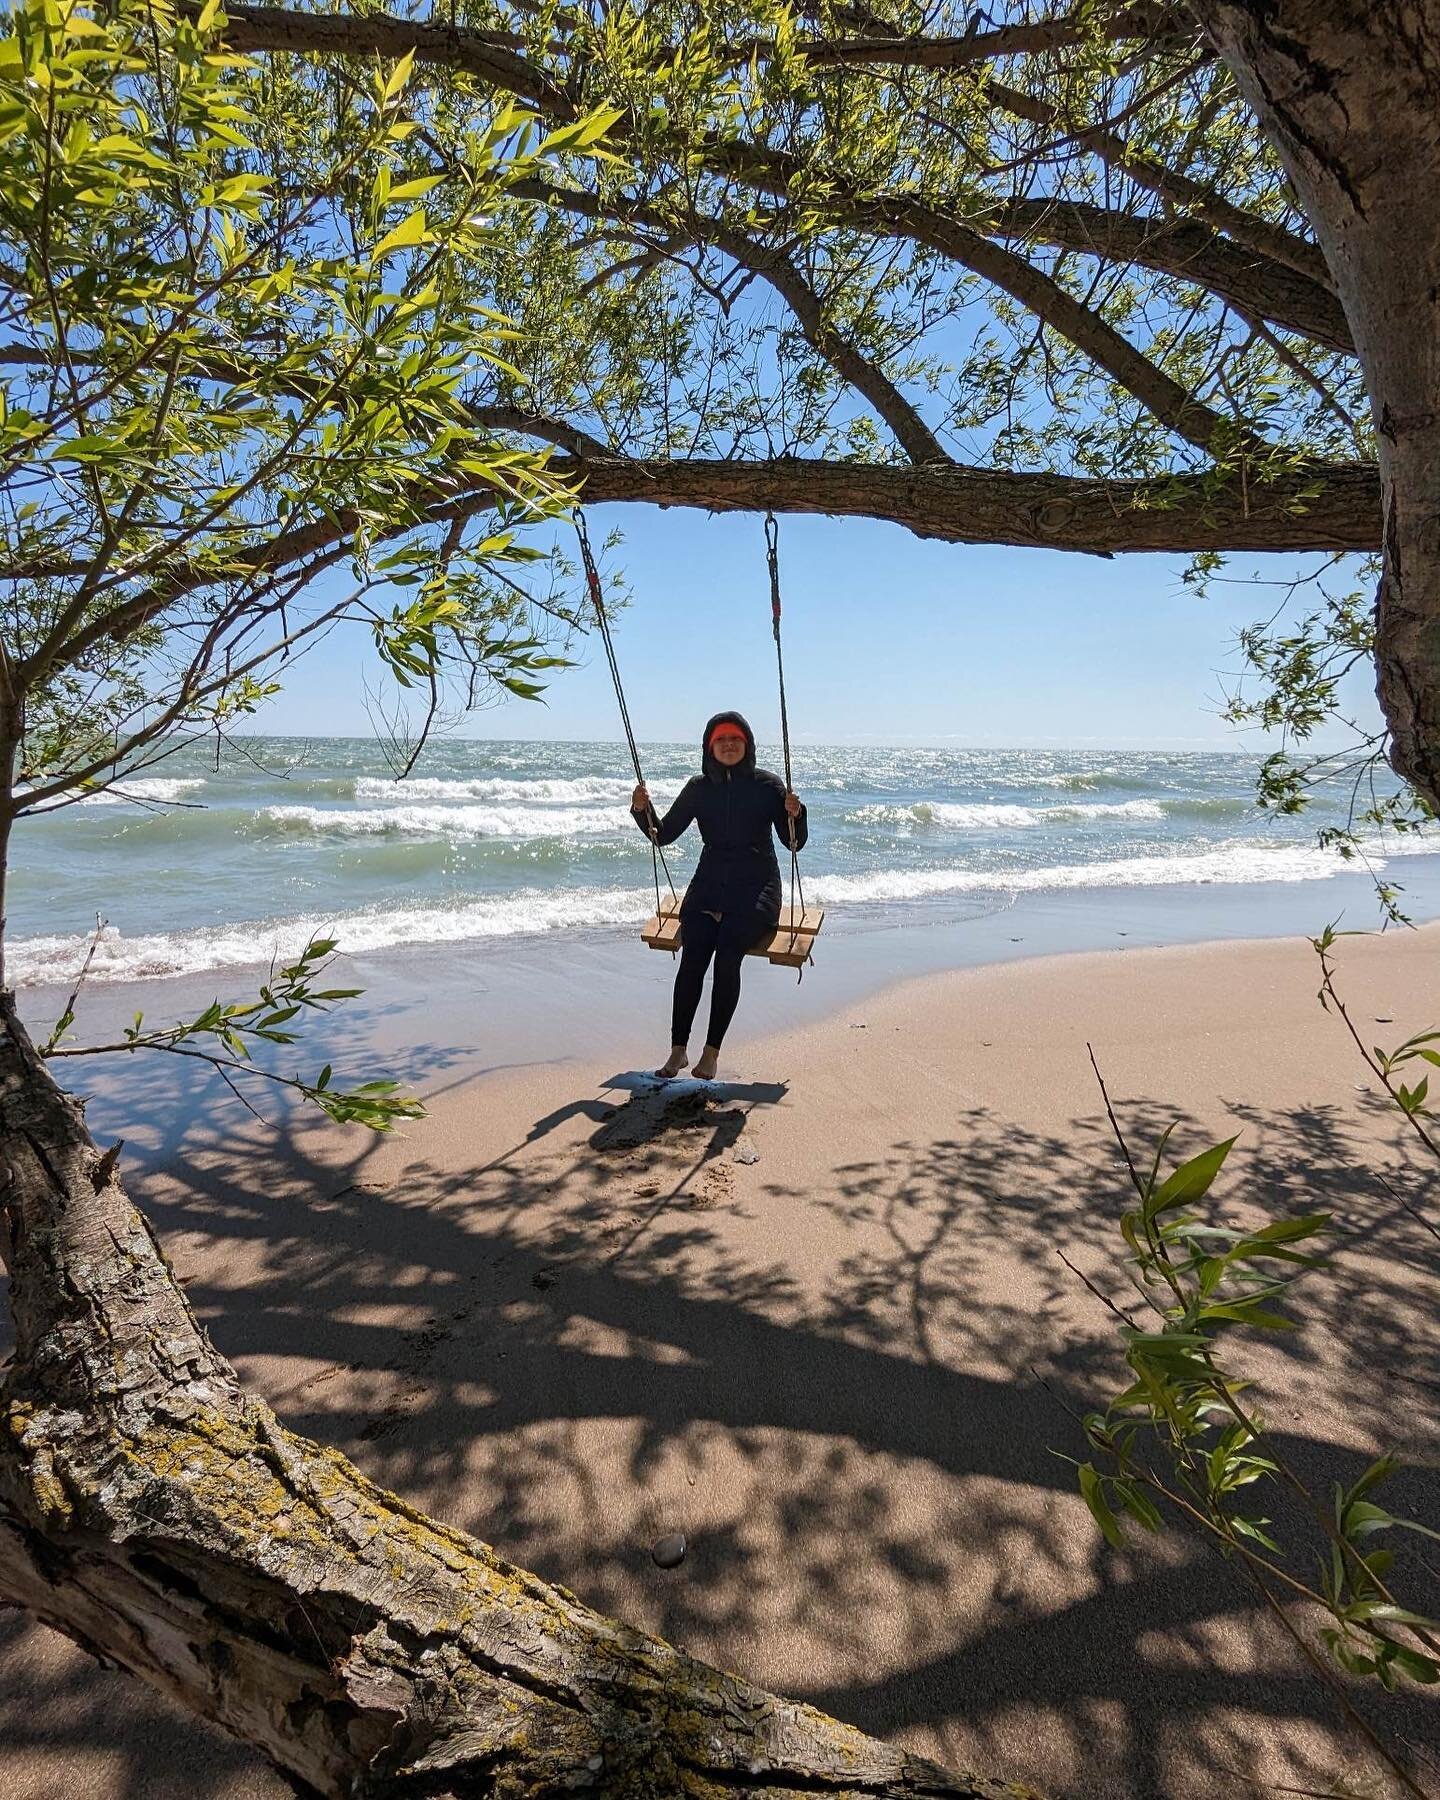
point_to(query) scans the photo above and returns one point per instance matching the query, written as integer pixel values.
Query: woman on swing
(733, 898)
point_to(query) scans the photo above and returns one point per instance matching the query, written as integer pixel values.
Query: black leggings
(726, 939)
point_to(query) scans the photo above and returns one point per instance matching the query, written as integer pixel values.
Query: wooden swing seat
(789, 944)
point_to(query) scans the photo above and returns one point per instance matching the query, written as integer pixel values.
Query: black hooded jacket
(740, 812)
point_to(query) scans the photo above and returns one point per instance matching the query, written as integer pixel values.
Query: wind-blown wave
(595, 789)
(145, 790)
(255, 942)
(979, 816)
(444, 821)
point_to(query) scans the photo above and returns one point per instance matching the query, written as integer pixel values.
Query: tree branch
(1034, 39)
(1333, 507)
(1188, 248)
(782, 273)
(1317, 507)
(276, 28)
(1247, 228)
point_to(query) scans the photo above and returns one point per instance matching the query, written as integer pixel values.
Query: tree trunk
(1349, 93)
(169, 1523)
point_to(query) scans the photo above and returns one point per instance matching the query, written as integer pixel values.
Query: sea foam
(594, 789)
(34, 961)
(1236, 864)
(978, 816)
(460, 821)
(145, 790)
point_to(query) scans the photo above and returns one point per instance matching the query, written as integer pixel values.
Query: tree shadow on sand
(847, 1397)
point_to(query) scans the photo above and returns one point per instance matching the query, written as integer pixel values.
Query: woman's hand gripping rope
(640, 803)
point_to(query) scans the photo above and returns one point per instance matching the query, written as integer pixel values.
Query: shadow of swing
(641, 1081)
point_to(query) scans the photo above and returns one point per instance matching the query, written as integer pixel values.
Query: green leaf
(1138, 1504)
(398, 76)
(1092, 1488)
(1191, 1180)
(410, 230)
(416, 189)
(1418, 1667)
(583, 135)
(1251, 1528)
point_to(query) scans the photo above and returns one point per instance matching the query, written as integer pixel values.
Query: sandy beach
(817, 1320)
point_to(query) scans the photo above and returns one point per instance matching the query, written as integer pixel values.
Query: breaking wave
(119, 958)
(981, 817)
(1237, 864)
(146, 790)
(443, 821)
(594, 789)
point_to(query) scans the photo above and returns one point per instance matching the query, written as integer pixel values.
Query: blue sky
(887, 639)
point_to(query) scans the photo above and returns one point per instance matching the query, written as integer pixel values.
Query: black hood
(716, 771)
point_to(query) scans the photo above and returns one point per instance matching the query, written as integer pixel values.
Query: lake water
(199, 866)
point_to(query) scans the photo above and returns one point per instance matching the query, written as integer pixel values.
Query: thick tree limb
(488, 56)
(1033, 39)
(152, 1510)
(1321, 507)
(1333, 508)
(1256, 285)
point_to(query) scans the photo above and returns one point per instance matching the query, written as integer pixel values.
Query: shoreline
(597, 994)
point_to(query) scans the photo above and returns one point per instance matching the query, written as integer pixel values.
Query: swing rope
(772, 557)
(597, 600)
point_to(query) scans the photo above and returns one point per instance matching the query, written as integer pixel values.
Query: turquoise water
(199, 866)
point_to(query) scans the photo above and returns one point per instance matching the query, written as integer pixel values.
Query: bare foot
(706, 1064)
(675, 1064)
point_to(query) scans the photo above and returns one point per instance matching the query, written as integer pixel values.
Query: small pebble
(746, 1153)
(668, 1552)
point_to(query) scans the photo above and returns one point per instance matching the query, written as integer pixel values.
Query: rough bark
(1323, 507)
(1330, 507)
(1349, 92)
(165, 1520)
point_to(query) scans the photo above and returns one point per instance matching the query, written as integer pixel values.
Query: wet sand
(816, 1318)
